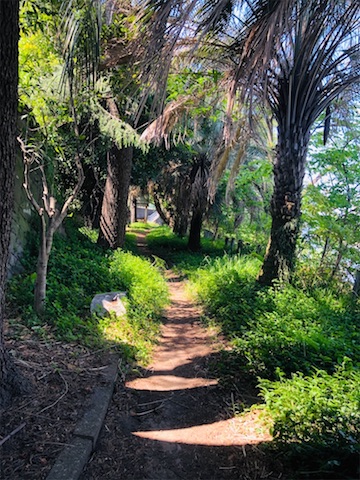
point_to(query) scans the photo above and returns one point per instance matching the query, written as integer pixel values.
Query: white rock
(104, 303)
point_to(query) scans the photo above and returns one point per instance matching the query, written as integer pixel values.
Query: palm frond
(79, 35)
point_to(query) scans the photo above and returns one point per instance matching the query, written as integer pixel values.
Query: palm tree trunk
(194, 243)
(182, 209)
(289, 170)
(114, 212)
(11, 382)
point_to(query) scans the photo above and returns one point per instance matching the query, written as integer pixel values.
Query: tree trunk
(47, 236)
(338, 259)
(289, 170)
(114, 212)
(181, 221)
(133, 210)
(356, 287)
(182, 209)
(164, 215)
(11, 383)
(194, 243)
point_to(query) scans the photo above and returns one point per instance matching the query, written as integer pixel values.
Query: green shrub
(319, 409)
(282, 328)
(146, 288)
(79, 269)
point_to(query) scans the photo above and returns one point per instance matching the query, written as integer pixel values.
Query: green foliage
(165, 243)
(146, 288)
(331, 203)
(307, 337)
(79, 269)
(285, 328)
(318, 409)
(115, 129)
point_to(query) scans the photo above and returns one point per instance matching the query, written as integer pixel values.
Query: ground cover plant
(174, 249)
(78, 270)
(302, 345)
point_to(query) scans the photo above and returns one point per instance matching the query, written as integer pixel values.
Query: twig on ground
(61, 396)
(153, 402)
(140, 414)
(11, 434)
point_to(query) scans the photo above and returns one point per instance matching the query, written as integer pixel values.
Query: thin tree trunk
(134, 207)
(338, 259)
(324, 252)
(47, 236)
(146, 213)
(289, 170)
(194, 243)
(165, 217)
(11, 382)
(114, 212)
(356, 287)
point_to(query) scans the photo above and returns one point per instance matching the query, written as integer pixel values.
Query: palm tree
(298, 56)
(315, 60)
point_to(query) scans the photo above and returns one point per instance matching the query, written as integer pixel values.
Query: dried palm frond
(79, 34)
(160, 129)
(239, 159)
(222, 154)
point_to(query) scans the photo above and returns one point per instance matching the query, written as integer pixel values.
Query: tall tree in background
(10, 381)
(316, 59)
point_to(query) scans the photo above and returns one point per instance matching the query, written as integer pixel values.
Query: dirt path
(173, 421)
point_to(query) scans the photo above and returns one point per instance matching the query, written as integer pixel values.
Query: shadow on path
(173, 421)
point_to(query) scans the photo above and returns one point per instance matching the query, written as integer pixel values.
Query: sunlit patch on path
(234, 431)
(165, 383)
(177, 376)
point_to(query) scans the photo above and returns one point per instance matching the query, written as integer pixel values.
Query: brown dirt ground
(63, 377)
(169, 421)
(173, 420)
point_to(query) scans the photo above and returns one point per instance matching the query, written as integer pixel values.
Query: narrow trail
(173, 420)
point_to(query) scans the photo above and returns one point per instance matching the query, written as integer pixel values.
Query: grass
(164, 243)
(79, 269)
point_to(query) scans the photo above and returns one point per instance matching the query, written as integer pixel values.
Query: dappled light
(245, 430)
(165, 383)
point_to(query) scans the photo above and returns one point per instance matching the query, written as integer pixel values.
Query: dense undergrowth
(79, 269)
(303, 346)
(299, 343)
(174, 249)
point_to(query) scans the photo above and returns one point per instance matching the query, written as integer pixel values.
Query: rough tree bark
(194, 242)
(114, 212)
(289, 170)
(199, 196)
(182, 208)
(11, 383)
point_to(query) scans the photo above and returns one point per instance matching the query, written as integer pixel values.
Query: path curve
(173, 420)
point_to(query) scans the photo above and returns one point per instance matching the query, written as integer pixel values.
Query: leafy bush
(292, 333)
(319, 409)
(78, 269)
(147, 289)
(283, 328)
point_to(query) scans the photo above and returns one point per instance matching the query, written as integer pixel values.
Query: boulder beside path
(108, 302)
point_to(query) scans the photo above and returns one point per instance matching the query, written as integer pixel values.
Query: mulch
(36, 427)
